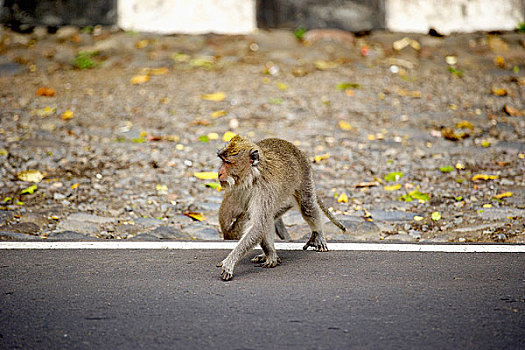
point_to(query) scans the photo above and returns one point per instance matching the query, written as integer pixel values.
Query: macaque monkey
(262, 181)
(233, 218)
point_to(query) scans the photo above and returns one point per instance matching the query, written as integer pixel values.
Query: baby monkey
(262, 181)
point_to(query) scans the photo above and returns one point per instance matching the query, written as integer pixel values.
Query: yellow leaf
(206, 175)
(460, 166)
(156, 71)
(179, 147)
(217, 97)
(418, 218)
(228, 135)
(392, 187)
(484, 177)
(142, 44)
(487, 206)
(218, 114)
(503, 195)
(498, 91)
(282, 86)
(139, 79)
(323, 65)
(213, 136)
(371, 137)
(321, 157)
(74, 186)
(343, 198)
(30, 176)
(195, 216)
(45, 112)
(465, 124)
(67, 115)
(161, 188)
(345, 125)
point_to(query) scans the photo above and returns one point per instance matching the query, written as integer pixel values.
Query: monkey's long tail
(330, 215)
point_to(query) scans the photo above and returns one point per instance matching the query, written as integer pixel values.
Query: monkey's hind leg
(269, 257)
(312, 214)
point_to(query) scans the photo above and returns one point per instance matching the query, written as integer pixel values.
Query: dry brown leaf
(45, 91)
(367, 184)
(513, 112)
(139, 79)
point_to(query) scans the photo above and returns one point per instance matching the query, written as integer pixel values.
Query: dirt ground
(412, 137)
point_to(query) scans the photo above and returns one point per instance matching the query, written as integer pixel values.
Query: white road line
(401, 247)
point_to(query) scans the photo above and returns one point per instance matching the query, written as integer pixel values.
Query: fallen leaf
(418, 218)
(409, 93)
(44, 112)
(350, 93)
(346, 86)
(228, 135)
(67, 115)
(180, 57)
(202, 62)
(218, 114)
(394, 176)
(458, 73)
(465, 124)
(345, 125)
(216, 97)
(276, 101)
(392, 187)
(74, 186)
(446, 169)
(487, 206)
(499, 61)
(513, 112)
(30, 176)
(142, 44)
(204, 138)
(324, 65)
(161, 188)
(436, 216)
(214, 185)
(498, 91)
(206, 175)
(367, 184)
(213, 136)
(139, 79)
(30, 190)
(155, 71)
(282, 86)
(460, 166)
(45, 91)
(485, 143)
(321, 157)
(484, 177)
(503, 195)
(449, 134)
(195, 216)
(343, 198)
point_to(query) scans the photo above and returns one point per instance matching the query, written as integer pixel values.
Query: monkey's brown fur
(264, 180)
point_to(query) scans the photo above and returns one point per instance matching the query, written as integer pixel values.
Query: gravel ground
(118, 124)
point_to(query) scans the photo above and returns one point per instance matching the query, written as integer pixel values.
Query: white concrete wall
(188, 16)
(447, 16)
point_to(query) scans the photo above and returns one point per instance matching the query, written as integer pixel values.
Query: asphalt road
(173, 299)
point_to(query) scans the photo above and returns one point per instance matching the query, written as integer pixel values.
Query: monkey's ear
(254, 157)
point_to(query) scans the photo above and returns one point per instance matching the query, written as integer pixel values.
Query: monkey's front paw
(226, 271)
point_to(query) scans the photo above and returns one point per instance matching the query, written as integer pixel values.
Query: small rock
(198, 231)
(92, 218)
(148, 222)
(67, 236)
(78, 226)
(501, 237)
(462, 239)
(6, 216)
(167, 232)
(36, 218)
(29, 228)
(400, 237)
(414, 234)
(16, 236)
(66, 32)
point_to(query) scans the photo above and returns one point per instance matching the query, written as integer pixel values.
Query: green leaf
(436, 216)
(8, 199)
(214, 185)
(19, 203)
(394, 176)
(204, 138)
(458, 73)
(276, 101)
(30, 190)
(299, 33)
(446, 169)
(346, 86)
(407, 198)
(458, 198)
(420, 196)
(84, 60)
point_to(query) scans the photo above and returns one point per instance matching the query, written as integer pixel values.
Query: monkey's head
(240, 161)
